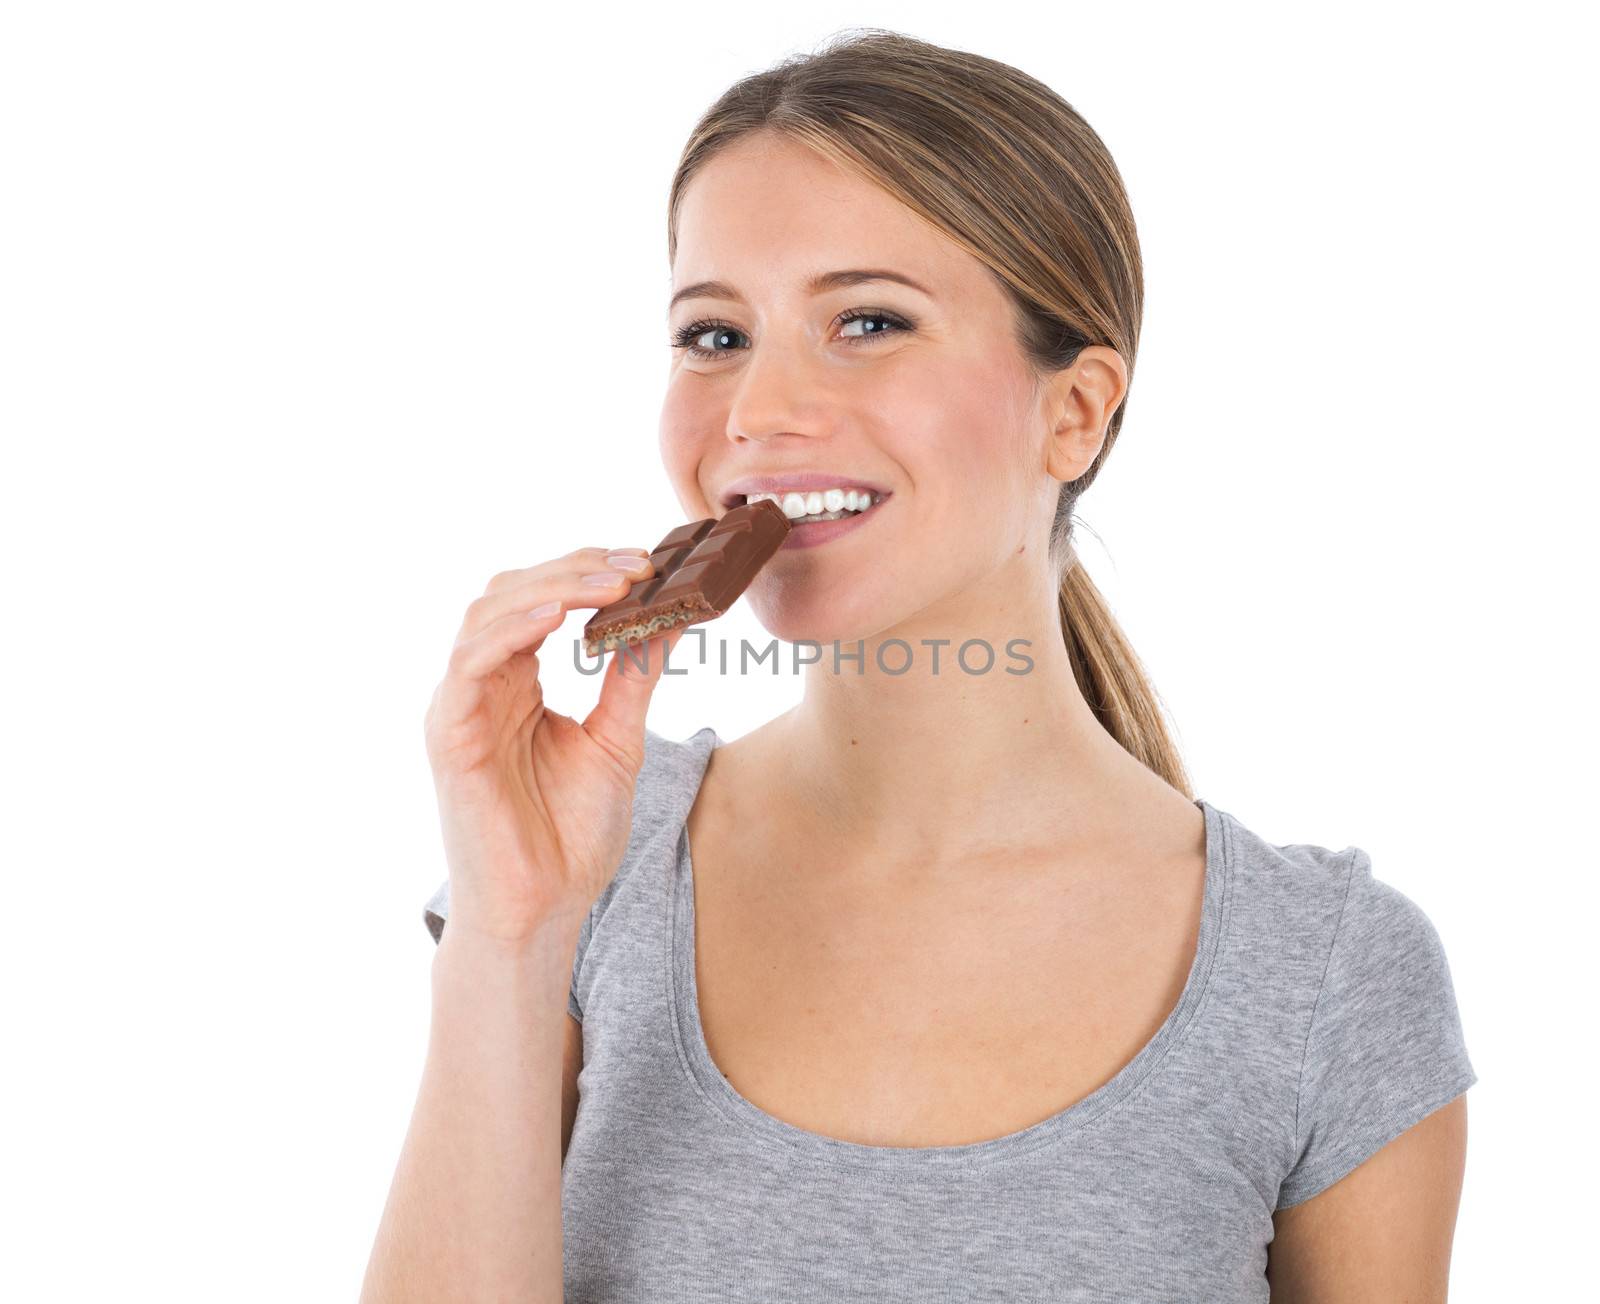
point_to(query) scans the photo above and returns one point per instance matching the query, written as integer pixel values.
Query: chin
(807, 623)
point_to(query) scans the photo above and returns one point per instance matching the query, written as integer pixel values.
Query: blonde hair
(1010, 172)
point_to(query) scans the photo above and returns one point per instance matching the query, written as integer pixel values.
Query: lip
(802, 480)
(820, 532)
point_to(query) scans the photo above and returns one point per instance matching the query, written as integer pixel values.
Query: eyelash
(686, 335)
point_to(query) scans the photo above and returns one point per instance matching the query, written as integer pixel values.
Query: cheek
(682, 445)
(961, 438)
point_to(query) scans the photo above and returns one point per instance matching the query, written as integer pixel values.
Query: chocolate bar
(701, 569)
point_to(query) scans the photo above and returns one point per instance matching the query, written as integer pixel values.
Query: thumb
(617, 720)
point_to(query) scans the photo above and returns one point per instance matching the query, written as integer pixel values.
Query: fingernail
(545, 609)
(624, 562)
(607, 580)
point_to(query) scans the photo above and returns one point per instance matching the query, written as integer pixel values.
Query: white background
(313, 316)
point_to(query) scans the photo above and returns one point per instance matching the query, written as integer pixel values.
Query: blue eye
(686, 336)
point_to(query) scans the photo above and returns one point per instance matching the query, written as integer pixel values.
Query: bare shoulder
(739, 776)
(1384, 1230)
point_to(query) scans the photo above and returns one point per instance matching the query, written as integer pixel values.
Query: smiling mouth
(817, 505)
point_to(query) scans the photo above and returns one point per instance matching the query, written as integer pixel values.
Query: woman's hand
(535, 807)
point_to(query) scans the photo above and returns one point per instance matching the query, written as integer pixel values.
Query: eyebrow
(823, 281)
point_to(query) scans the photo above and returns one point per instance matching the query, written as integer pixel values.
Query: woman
(962, 994)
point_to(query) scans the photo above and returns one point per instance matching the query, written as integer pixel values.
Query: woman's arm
(1382, 1232)
(474, 1212)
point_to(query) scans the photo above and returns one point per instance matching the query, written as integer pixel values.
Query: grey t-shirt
(1318, 1022)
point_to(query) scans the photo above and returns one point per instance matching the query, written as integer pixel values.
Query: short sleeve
(1385, 1046)
(437, 911)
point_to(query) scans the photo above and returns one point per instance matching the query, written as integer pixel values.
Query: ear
(1079, 402)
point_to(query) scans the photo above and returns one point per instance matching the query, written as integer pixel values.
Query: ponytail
(1112, 680)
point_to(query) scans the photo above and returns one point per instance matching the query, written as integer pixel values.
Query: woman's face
(928, 398)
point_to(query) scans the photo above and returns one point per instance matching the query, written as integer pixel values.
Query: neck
(929, 768)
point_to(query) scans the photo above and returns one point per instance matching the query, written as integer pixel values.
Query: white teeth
(829, 504)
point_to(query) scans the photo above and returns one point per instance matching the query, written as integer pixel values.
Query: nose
(780, 394)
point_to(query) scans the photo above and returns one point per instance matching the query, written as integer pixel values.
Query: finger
(613, 572)
(460, 692)
(617, 720)
(474, 659)
(511, 579)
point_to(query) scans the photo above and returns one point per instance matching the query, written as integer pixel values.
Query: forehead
(765, 213)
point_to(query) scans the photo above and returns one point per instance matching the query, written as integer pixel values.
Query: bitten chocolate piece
(701, 569)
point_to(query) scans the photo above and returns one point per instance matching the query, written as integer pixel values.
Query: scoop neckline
(725, 1100)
